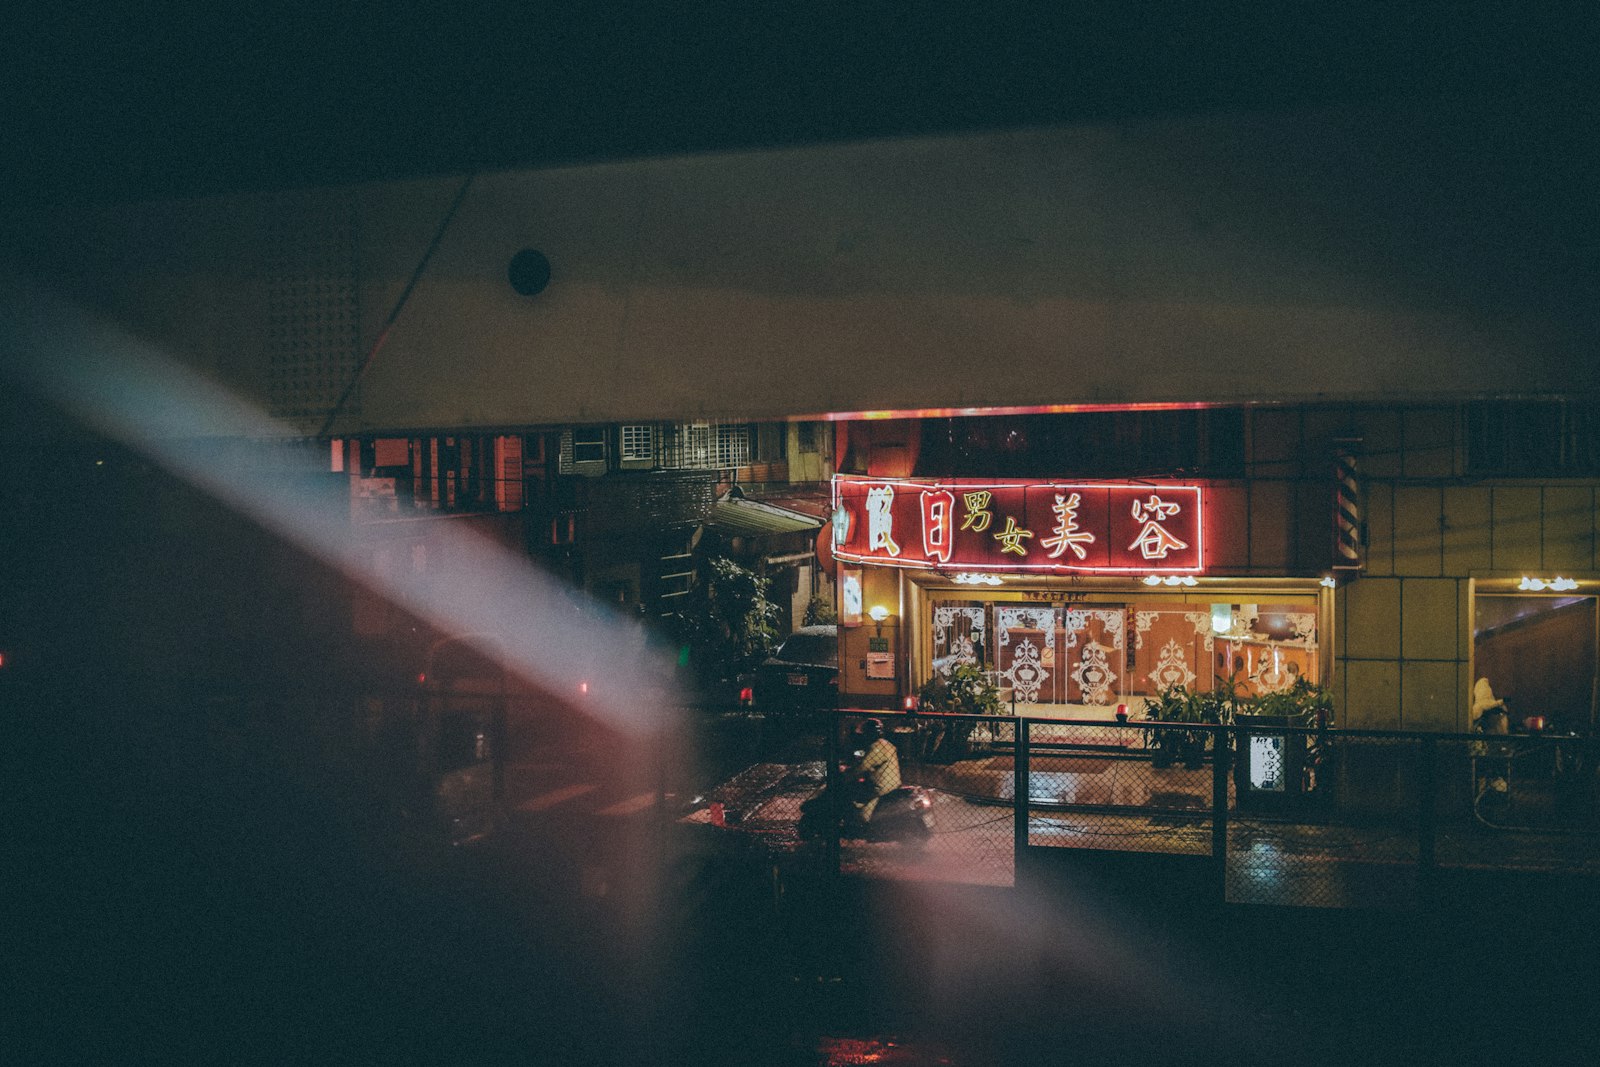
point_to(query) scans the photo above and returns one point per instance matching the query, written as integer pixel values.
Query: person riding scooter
(876, 774)
(869, 801)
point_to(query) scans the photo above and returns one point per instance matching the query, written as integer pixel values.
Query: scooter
(904, 815)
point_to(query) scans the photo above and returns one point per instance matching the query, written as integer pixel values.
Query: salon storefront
(1073, 596)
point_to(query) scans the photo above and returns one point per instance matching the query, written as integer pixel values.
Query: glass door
(960, 629)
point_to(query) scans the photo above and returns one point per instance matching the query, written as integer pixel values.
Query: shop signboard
(850, 595)
(1042, 527)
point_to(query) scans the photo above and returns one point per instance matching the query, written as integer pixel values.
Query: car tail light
(911, 703)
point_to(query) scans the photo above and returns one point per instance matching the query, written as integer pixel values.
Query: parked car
(802, 675)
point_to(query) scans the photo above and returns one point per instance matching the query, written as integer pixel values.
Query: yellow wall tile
(1372, 695)
(1379, 519)
(1466, 532)
(1517, 538)
(1341, 619)
(1372, 619)
(1416, 530)
(1428, 699)
(1428, 624)
(853, 681)
(1568, 527)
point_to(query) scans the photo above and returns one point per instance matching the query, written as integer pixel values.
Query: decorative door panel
(1026, 646)
(1093, 654)
(1172, 645)
(959, 629)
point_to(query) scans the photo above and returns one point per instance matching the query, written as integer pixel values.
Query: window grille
(638, 442)
(704, 445)
(1533, 439)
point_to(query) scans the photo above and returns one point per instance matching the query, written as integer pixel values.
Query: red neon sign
(1078, 527)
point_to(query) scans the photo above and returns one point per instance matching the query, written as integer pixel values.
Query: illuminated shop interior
(1078, 647)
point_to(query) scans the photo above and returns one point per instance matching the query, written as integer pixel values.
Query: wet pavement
(177, 911)
(1271, 861)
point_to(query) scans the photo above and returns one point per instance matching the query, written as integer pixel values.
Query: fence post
(1220, 749)
(1427, 815)
(830, 745)
(1019, 794)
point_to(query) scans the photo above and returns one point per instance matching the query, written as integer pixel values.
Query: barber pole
(1347, 523)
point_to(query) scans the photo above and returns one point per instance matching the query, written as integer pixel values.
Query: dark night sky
(139, 101)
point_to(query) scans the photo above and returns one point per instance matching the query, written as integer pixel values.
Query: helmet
(871, 729)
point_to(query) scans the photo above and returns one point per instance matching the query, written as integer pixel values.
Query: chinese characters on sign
(1011, 538)
(879, 521)
(1037, 526)
(1067, 535)
(1154, 541)
(978, 516)
(938, 511)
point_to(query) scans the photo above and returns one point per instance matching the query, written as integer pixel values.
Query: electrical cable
(405, 295)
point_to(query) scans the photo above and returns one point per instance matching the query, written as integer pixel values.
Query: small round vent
(529, 272)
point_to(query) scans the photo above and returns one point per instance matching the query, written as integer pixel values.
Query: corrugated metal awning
(737, 515)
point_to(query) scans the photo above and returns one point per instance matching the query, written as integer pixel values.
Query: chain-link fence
(1517, 802)
(952, 819)
(1287, 816)
(1322, 819)
(1121, 787)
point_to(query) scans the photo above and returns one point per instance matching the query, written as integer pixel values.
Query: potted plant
(965, 690)
(1302, 704)
(1168, 738)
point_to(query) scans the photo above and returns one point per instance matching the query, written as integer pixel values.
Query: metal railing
(1257, 813)
(1283, 815)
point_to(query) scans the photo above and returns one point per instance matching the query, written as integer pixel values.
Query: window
(589, 444)
(1537, 653)
(806, 436)
(1102, 653)
(1521, 439)
(703, 445)
(1109, 444)
(638, 443)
